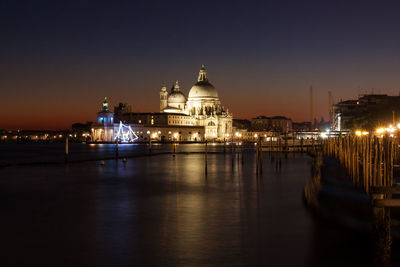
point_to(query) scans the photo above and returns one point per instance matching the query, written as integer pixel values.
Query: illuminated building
(366, 112)
(164, 126)
(104, 129)
(196, 118)
(276, 124)
(202, 105)
(140, 127)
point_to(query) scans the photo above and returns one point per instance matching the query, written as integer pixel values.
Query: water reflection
(163, 210)
(229, 216)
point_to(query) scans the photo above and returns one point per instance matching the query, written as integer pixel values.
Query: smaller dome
(177, 97)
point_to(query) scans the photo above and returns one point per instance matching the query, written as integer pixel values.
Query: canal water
(164, 211)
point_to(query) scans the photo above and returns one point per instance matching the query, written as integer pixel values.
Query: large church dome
(203, 89)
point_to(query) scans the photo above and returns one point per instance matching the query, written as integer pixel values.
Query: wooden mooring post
(66, 148)
(242, 154)
(205, 159)
(116, 149)
(381, 237)
(224, 146)
(259, 155)
(232, 151)
(301, 145)
(286, 143)
(312, 145)
(237, 153)
(150, 144)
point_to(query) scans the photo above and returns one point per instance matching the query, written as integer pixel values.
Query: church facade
(202, 105)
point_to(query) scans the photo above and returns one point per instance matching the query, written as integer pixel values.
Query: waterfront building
(266, 128)
(164, 126)
(202, 105)
(165, 133)
(129, 127)
(366, 112)
(276, 124)
(241, 124)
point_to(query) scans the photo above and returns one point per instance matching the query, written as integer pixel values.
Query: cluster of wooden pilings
(368, 160)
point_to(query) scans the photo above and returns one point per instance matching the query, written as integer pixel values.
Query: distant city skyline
(60, 59)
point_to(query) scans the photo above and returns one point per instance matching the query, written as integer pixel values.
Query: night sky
(59, 59)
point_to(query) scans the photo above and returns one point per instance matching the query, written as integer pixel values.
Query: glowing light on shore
(125, 134)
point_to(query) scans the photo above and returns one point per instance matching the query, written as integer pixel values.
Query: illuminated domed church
(202, 105)
(195, 118)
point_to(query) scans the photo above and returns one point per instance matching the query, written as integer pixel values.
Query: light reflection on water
(163, 210)
(13, 153)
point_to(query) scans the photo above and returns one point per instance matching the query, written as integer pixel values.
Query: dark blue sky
(58, 59)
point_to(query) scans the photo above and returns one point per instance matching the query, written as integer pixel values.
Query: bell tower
(163, 98)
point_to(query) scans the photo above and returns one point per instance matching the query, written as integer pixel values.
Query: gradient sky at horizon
(59, 59)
